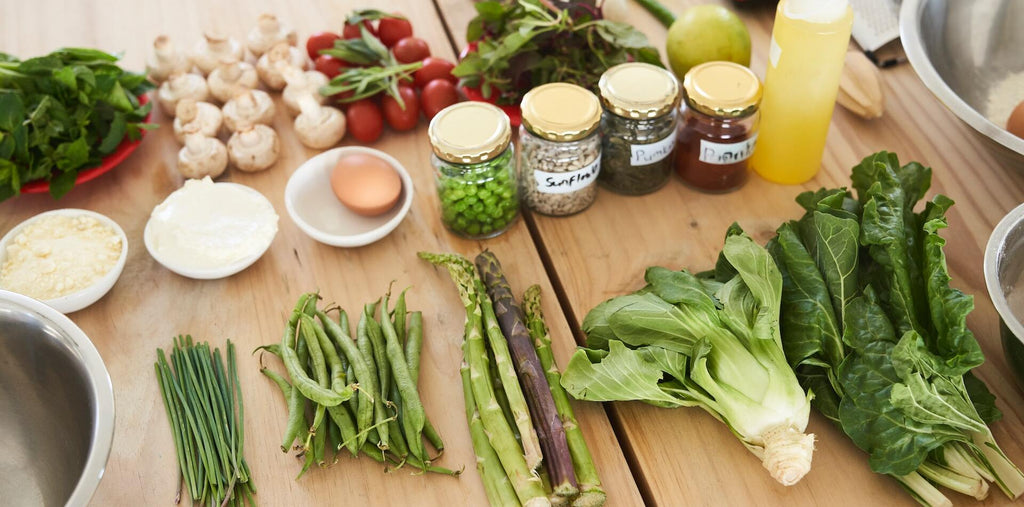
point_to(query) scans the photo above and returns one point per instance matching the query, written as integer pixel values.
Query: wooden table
(645, 455)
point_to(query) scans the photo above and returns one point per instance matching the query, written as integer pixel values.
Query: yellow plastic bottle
(809, 41)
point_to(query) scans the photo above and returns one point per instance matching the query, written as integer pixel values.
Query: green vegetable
(591, 493)
(62, 113)
(378, 71)
(688, 341)
(203, 400)
(873, 328)
(521, 44)
(528, 487)
(479, 200)
(659, 11)
(324, 365)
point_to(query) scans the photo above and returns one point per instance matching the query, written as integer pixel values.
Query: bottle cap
(638, 90)
(561, 112)
(723, 89)
(469, 132)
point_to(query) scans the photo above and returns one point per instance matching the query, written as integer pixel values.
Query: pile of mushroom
(248, 112)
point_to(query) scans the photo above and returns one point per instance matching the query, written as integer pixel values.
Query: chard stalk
(1007, 476)
(923, 491)
(970, 484)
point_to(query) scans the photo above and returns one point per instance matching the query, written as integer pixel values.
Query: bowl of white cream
(66, 258)
(206, 230)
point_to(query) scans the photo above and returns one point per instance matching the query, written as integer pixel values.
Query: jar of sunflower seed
(559, 148)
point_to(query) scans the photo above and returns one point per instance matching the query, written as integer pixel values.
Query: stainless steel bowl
(1004, 263)
(56, 407)
(961, 49)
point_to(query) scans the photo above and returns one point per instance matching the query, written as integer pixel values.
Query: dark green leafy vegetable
(873, 328)
(521, 44)
(62, 113)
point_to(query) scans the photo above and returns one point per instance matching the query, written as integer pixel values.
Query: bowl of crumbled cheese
(66, 258)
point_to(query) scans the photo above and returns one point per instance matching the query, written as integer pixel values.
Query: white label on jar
(726, 153)
(645, 154)
(568, 182)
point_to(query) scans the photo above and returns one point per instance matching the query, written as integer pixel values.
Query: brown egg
(1015, 125)
(366, 184)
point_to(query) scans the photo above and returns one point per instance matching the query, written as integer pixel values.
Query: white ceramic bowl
(89, 295)
(311, 202)
(213, 273)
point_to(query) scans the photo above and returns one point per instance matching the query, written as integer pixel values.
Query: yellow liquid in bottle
(804, 66)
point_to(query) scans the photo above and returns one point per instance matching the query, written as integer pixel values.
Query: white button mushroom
(319, 127)
(193, 117)
(268, 64)
(301, 84)
(254, 148)
(166, 60)
(231, 78)
(213, 48)
(250, 107)
(181, 86)
(202, 156)
(269, 31)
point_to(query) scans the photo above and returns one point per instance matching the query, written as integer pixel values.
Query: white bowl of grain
(66, 258)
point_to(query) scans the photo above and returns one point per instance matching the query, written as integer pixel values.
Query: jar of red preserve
(718, 126)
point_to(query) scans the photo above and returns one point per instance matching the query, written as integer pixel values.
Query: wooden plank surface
(149, 304)
(683, 456)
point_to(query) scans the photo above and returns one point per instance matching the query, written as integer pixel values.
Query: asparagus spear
(591, 493)
(499, 489)
(528, 487)
(531, 375)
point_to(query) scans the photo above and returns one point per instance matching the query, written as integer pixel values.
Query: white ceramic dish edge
(330, 157)
(89, 295)
(209, 274)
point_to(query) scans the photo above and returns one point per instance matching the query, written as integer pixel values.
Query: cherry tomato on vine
(434, 68)
(398, 118)
(411, 49)
(437, 95)
(364, 120)
(392, 30)
(329, 65)
(352, 31)
(319, 41)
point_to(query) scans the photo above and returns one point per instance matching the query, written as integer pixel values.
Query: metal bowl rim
(910, 37)
(991, 267)
(102, 388)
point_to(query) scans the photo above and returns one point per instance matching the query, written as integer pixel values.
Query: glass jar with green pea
(475, 169)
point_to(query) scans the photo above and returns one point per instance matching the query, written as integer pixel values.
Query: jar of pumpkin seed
(638, 128)
(559, 148)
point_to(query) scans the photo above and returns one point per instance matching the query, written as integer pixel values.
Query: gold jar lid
(469, 132)
(723, 89)
(638, 90)
(561, 112)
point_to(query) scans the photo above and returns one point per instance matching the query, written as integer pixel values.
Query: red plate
(120, 153)
(515, 114)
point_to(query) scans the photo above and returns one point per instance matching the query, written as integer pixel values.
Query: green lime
(706, 33)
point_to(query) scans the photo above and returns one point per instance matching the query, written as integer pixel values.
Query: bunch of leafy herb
(521, 44)
(379, 73)
(873, 328)
(64, 112)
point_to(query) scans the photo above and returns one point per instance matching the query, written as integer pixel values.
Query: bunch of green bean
(204, 405)
(357, 394)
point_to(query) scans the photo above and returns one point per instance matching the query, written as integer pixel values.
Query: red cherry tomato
(437, 95)
(434, 68)
(365, 121)
(411, 49)
(398, 118)
(352, 31)
(329, 65)
(392, 30)
(319, 41)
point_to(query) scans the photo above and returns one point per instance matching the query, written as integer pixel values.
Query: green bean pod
(414, 415)
(301, 381)
(366, 350)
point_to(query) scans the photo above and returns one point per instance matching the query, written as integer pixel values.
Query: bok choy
(711, 341)
(874, 330)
